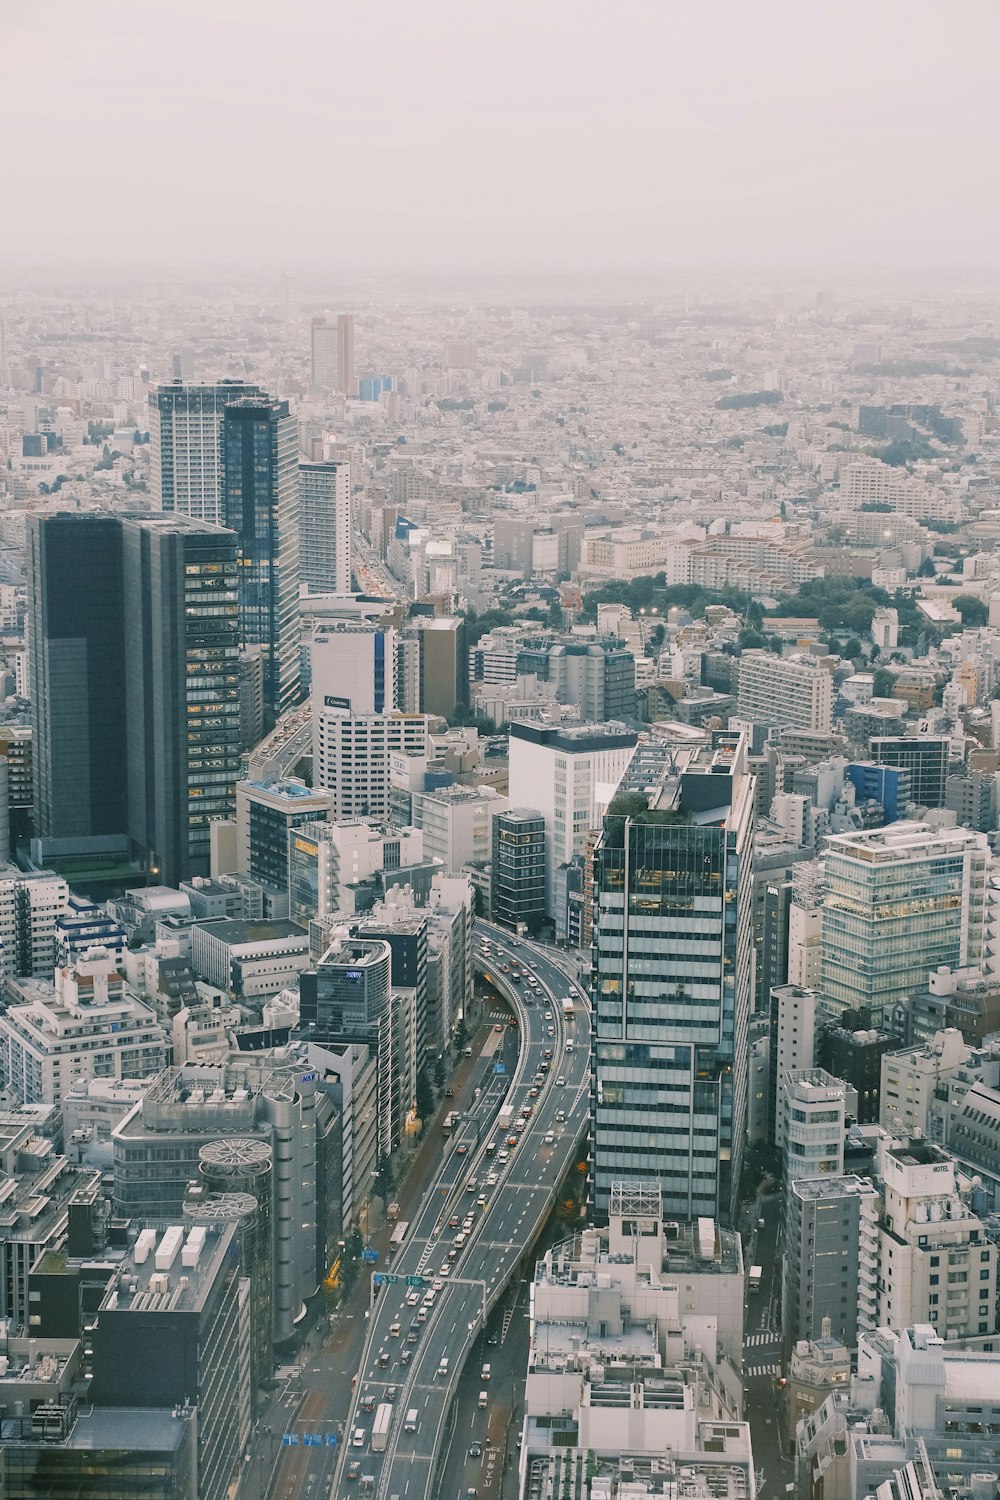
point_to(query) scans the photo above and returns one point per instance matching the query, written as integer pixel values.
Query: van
(486, 1372)
(570, 1045)
(442, 1368)
(549, 1141)
(459, 1239)
(358, 1439)
(410, 1425)
(483, 1398)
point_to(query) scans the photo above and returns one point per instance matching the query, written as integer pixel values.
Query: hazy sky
(492, 132)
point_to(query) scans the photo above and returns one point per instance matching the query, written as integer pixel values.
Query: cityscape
(499, 757)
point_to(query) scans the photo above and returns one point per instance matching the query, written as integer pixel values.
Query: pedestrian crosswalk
(772, 1369)
(765, 1337)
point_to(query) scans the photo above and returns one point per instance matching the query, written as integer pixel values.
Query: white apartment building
(30, 905)
(457, 824)
(799, 1011)
(352, 752)
(326, 860)
(810, 1125)
(796, 694)
(870, 482)
(185, 446)
(569, 775)
(936, 1264)
(910, 1079)
(85, 1025)
(325, 527)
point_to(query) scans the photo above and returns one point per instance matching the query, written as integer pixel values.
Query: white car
(560, 1082)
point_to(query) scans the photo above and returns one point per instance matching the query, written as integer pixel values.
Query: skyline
(858, 135)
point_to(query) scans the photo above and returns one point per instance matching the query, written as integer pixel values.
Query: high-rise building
(261, 504)
(777, 690)
(673, 984)
(811, 1124)
(323, 344)
(440, 664)
(76, 650)
(924, 757)
(347, 382)
(569, 774)
(353, 667)
(181, 689)
(830, 1263)
(185, 446)
(517, 889)
(899, 902)
(325, 527)
(352, 755)
(135, 695)
(266, 812)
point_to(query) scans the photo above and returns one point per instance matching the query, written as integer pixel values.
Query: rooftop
(237, 932)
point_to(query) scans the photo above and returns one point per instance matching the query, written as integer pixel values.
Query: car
(412, 1299)
(367, 1403)
(453, 1222)
(492, 1339)
(461, 1148)
(471, 1185)
(551, 1030)
(358, 1438)
(391, 1392)
(383, 1359)
(411, 1337)
(533, 1092)
(547, 1054)
(503, 1156)
(499, 1029)
(561, 1081)
(445, 1270)
(475, 1450)
(354, 1469)
(395, 1329)
(512, 1140)
(492, 1179)
(422, 1314)
(449, 1093)
(405, 1357)
(435, 1287)
(549, 1138)
(560, 1116)
(466, 1051)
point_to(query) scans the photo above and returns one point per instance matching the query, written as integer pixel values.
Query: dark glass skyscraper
(261, 504)
(672, 984)
(76, 666)
(134, 678)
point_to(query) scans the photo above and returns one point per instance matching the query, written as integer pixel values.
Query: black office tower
(182, 689)
(76, 668)
(260, 502)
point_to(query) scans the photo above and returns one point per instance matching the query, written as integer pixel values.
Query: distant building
(784, 692)
(185, 446)
(325, 527)
(518, 886)
(923, 757)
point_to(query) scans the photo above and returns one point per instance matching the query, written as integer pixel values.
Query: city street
(763, 1397)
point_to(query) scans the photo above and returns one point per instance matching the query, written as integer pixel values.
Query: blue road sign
(289, 1440)
(331, 1440)
(499, 1068)
(312, 1440)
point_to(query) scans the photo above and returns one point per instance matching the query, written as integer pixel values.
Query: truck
(755, 1276)
(392, 1212)
(451, 1119)
(380, 1431)
(505, 1116)
(568, 1008)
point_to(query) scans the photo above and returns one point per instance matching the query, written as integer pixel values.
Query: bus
(397, 1237)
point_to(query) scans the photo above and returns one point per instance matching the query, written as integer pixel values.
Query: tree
(884, 681)
(384, 1178)
(973, 611)
(440, 1073)
(852, 648)
(424, 1096)
(927, 569)
(461, 1034)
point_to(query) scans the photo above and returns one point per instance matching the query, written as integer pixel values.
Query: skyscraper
(672, 984)
(325, 527)
(346, 380)
(135, 696)
(261, 504)
(76, 663)
(181, 688)
(323, 344)
(185, 446)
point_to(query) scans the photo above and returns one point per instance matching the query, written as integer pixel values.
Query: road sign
(331, 1440)
(312, 1440)
(414, 1281)
(289, 1440)
(385, 1278)
(371, 1256)
(499, 1068)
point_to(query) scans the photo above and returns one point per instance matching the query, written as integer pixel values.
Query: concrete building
(569, 775)
(797, 693)
(85, 1025)
(457, 824)
(912, 1077)
(811, 1127)
(31, 905)
(251, 960)
(325, 527)
(673, 984)
(830, 1265)
(331, 865)
(185, 446)
(898, 902)
(517, 887)
(266, 814)
(354, 667)
(924, 757)
(353, 753)
(816, 1367)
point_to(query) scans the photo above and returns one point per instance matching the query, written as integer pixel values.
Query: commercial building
(811, 1125)
(173, 1329)
(913, 1076)
(442, 664)
(457, 824)
(325, 527)
(794, 693)
(569, 775)
(673, 984)
(185, 446)
(830, 1265)
(260, 503)
(85, 1025)
(251, 960)
(278, 1101)
(323, 354)
(329, 864)
(517, 888)
(899, 901)
(923, 757)
(354, 667)
(353, 753)
(266, 814)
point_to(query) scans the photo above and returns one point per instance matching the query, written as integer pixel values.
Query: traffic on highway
(496, 1185)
